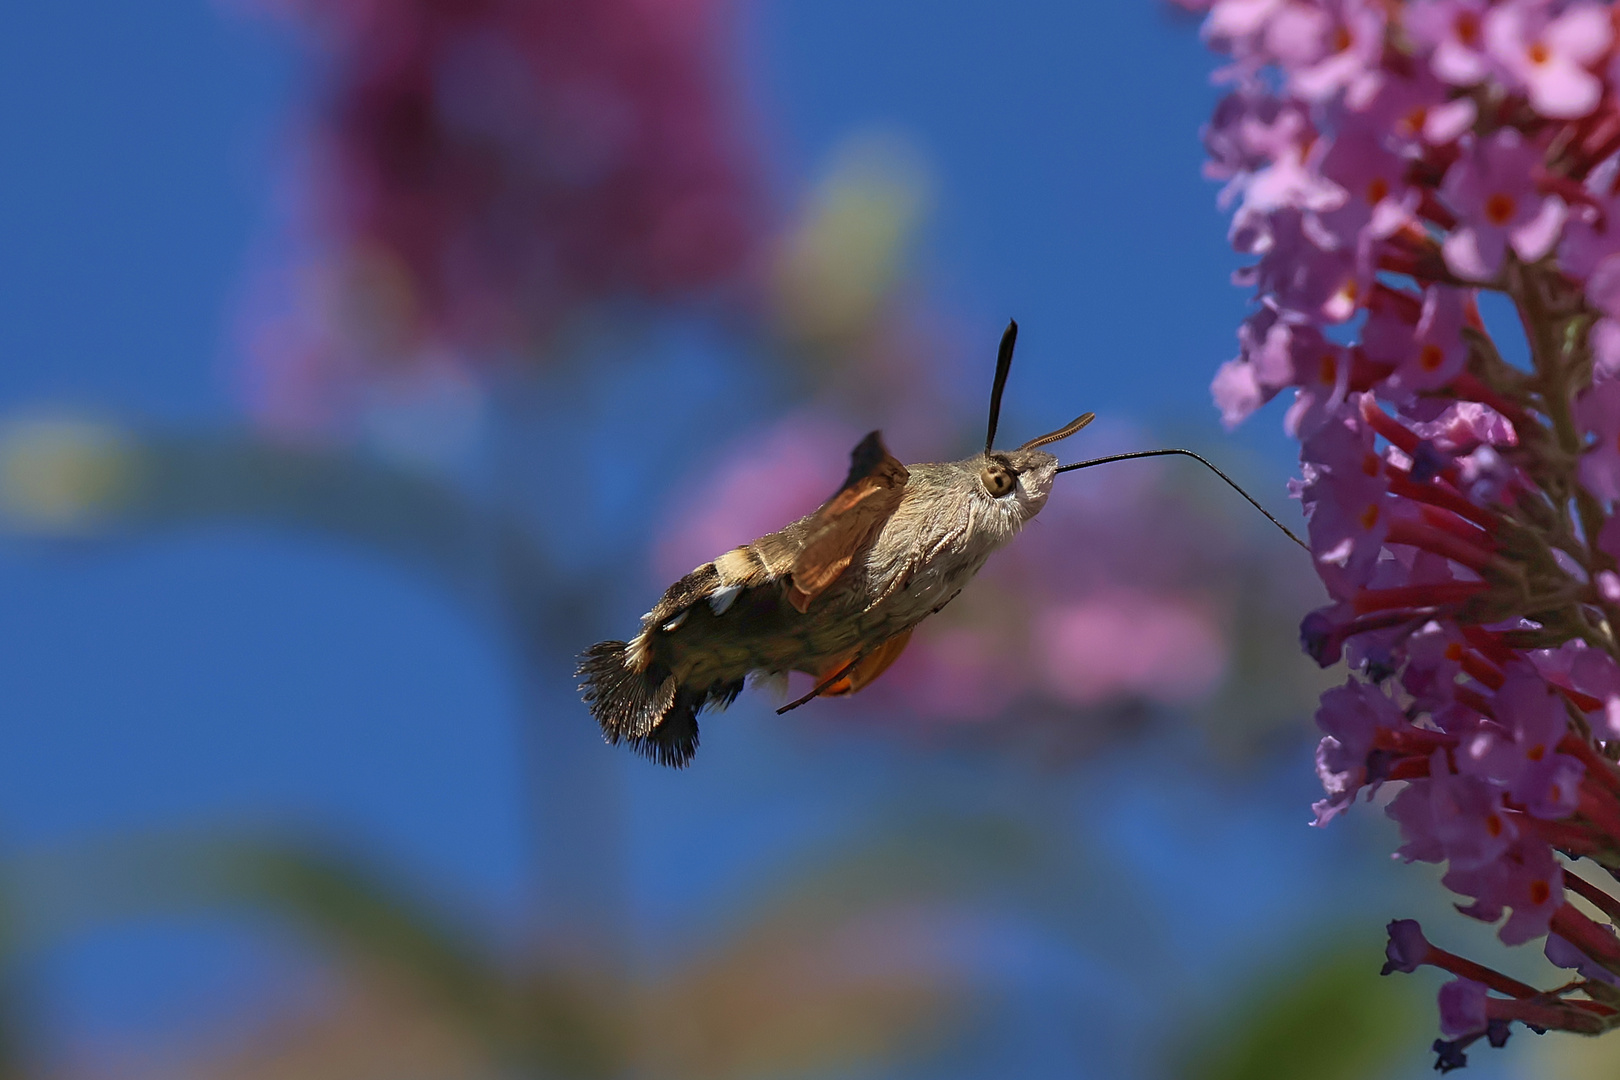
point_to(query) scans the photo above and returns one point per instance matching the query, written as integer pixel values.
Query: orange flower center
(1328, 372)
(1467, 27)
(1493, 825)
(1454, 651)
(1431, 356)
(1538, 53)
(1377, 190)
(1499, 208)
(1369, 516)
(1539, 892)
(1536, 753)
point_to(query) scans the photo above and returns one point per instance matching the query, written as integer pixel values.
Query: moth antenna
(1009, 338)
(1061, 433)
(1188, 453)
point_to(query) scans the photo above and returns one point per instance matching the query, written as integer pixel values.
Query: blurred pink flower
(1121, 644)
(761, 483)
(955, 673)
(484, 168)
(1421, 469)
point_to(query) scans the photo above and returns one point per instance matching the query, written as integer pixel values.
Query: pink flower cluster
(1387, 163)
(488, 166)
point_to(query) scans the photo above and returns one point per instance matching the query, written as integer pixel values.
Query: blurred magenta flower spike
(487, 167)
(1386, 163)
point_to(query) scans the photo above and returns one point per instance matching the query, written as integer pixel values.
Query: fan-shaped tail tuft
(646, 709)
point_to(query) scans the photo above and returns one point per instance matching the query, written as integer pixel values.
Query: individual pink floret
(1550, 56)
(1492, 189)
(1455, 31)
(1462, 1008)
(1527, 881)
(1439, 353)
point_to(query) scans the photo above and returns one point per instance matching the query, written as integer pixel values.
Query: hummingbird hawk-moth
(835, 594)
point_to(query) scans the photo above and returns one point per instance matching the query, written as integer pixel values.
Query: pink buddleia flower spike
(1462, 511)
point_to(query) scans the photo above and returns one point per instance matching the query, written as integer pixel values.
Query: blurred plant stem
(485, 557)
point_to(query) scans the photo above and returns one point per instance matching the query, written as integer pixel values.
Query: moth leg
(837, 673)
(903, 578)
(868, 667)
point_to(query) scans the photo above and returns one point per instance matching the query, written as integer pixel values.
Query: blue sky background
(230, 675)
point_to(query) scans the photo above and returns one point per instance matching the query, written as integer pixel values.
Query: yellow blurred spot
(835, 269)
(62, 475)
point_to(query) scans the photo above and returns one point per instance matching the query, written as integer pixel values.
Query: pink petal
(1390, 214)
(1236, 392)
(1297, 35)
(1564, 90)
(1605, 341)
(1474, 254)
(1238, 18)
(1446, 123)
(1458, 65)
(1603, 287)
(1537, 236)
(1600, 472)
(1582, 33)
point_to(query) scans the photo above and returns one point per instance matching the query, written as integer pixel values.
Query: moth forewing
(847, 523)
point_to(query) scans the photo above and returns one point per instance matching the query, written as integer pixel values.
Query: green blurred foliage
(1328, 1016)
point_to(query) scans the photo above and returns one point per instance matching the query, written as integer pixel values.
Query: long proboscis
(1188, 453)
(1004, 355)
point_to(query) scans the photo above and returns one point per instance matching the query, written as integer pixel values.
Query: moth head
(1019, 480)
(1021, 477)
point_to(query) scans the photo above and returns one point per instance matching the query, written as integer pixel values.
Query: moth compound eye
(997, 480)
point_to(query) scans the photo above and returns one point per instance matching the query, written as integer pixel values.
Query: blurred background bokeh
(361, 361)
